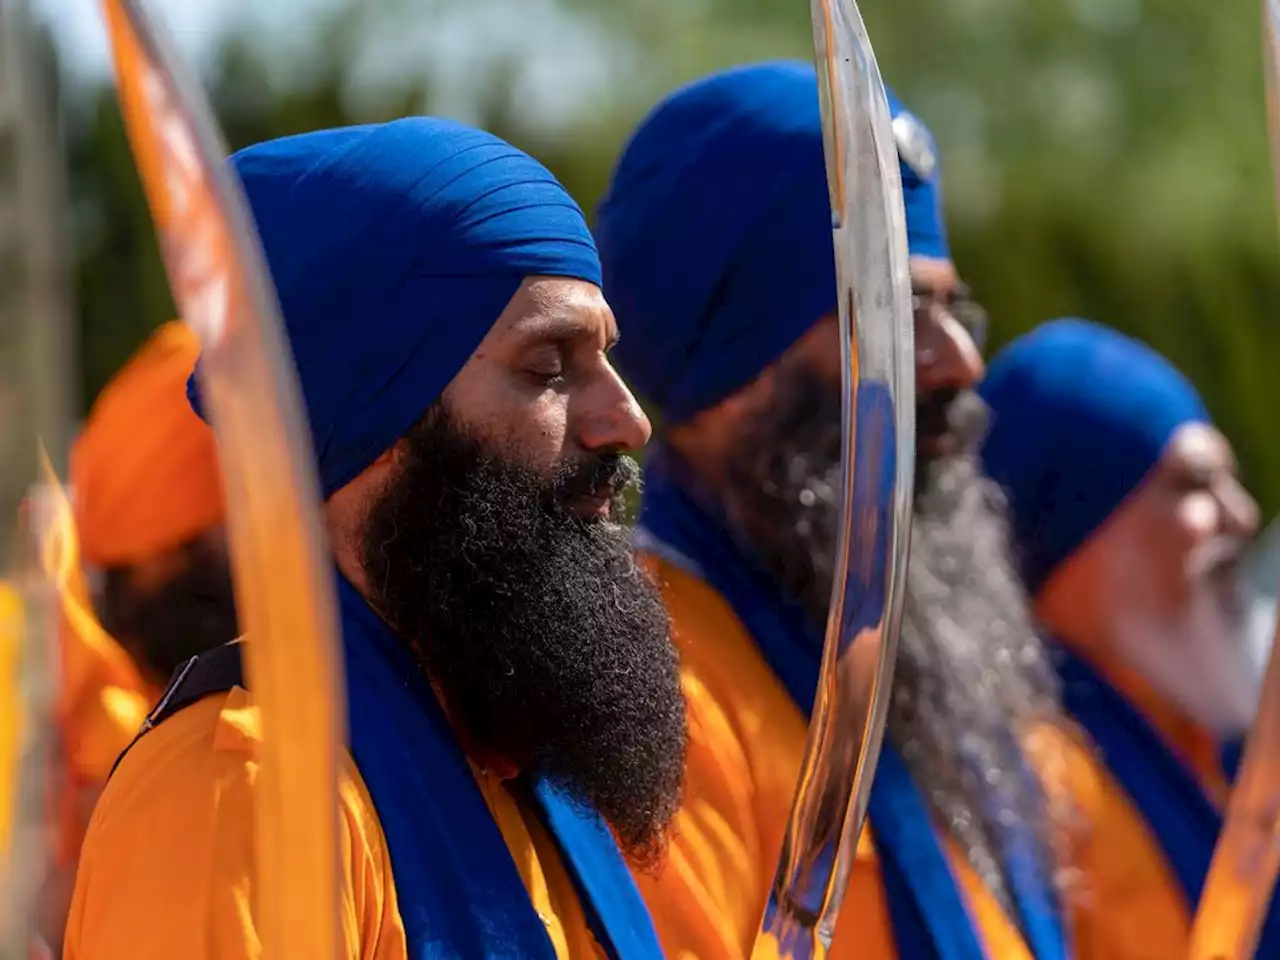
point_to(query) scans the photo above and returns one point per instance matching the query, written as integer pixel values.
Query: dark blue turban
(715, 232)
(394, 248)
(1080, 414)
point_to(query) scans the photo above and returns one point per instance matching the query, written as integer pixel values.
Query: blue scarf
(927, 911)
(459, 892)
(1186, 824)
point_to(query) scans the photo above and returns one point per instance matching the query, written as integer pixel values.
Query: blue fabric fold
(1080, 414)
(459, 892)
(927, 910)
(1165, 791)
(715, 230)
(393, 249)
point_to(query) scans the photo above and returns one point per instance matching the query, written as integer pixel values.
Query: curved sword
(283, 574)
(1242, 875)
(878, 469)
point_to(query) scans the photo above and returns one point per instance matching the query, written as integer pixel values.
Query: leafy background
(1103, 158)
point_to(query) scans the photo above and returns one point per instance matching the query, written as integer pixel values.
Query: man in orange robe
(515, 724)
(1130, 522)
(715, 235)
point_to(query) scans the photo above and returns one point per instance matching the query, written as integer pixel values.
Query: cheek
(1142, 565)
(524, 421)
(537, 429)
(819, 349)
(1172, 540)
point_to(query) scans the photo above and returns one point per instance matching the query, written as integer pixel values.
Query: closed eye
(547, 378)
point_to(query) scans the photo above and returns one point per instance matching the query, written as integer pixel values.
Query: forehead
(931, 273)
(1196, 447)
(553, 309)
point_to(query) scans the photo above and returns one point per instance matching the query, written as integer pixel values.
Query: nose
(946, 356)
(614, 420)
(1240, 514)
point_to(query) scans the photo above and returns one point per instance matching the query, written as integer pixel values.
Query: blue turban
(394, 248)
(715, 231)
(1080, 414)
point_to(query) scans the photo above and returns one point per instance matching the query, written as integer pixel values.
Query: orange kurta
(167, 868)
(746, 744)
(1127, 902)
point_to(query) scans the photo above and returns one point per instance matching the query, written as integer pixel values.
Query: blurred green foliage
(1105, 158)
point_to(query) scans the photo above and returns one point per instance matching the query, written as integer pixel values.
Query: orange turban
(143, 471)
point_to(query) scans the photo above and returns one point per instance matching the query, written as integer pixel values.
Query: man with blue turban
(715, 238)
(516, 722)
(1129, 524)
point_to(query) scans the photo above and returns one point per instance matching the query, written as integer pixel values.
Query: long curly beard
(549, 643)
(973, 679)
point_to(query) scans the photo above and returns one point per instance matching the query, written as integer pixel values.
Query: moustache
(949, 414)
(597, 477)
(1220, 556)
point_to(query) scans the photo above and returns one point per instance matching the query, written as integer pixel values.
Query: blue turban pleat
(1080, 414)
(715, 233)
(394, 248)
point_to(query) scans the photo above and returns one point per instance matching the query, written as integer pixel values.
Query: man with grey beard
(716, 247)
(1129, 523)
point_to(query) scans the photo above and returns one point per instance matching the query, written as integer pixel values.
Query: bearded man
(715, 237)
(1129, 522)
(516, 723)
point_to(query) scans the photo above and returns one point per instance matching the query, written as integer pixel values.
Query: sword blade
(283, 573)
(878, 459)
(1242, 875)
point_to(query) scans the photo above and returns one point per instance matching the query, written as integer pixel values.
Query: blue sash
(1185, 823)
(926, 908)
(459, 892)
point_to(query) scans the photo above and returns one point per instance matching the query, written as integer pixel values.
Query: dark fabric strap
(214, 671)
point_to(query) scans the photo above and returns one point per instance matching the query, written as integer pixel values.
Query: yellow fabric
(12, 631)
(102, 700)
(101, 709)
(167, 866)
(544, 876)
(746, 743)
(1128, 904)
(144, 470)
(1193, 744)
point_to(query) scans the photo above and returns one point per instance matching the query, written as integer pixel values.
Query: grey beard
(972, 677)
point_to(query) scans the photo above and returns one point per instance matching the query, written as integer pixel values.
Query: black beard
(192, 612)
(549, 644)
(972, 677)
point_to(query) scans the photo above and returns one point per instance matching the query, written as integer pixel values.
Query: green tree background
(1103, 158)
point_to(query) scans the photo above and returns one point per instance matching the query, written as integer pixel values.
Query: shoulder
(173, 837)
(1123, 898)
(698, 612)
(746, 736)
(722, 667)
(1067, 761)
(180, 761)
(201, 766)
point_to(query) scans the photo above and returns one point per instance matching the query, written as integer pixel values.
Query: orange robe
(746, 744)
(167, 868)
(1127, 903)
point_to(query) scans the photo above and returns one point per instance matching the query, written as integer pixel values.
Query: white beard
(1199, 661)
